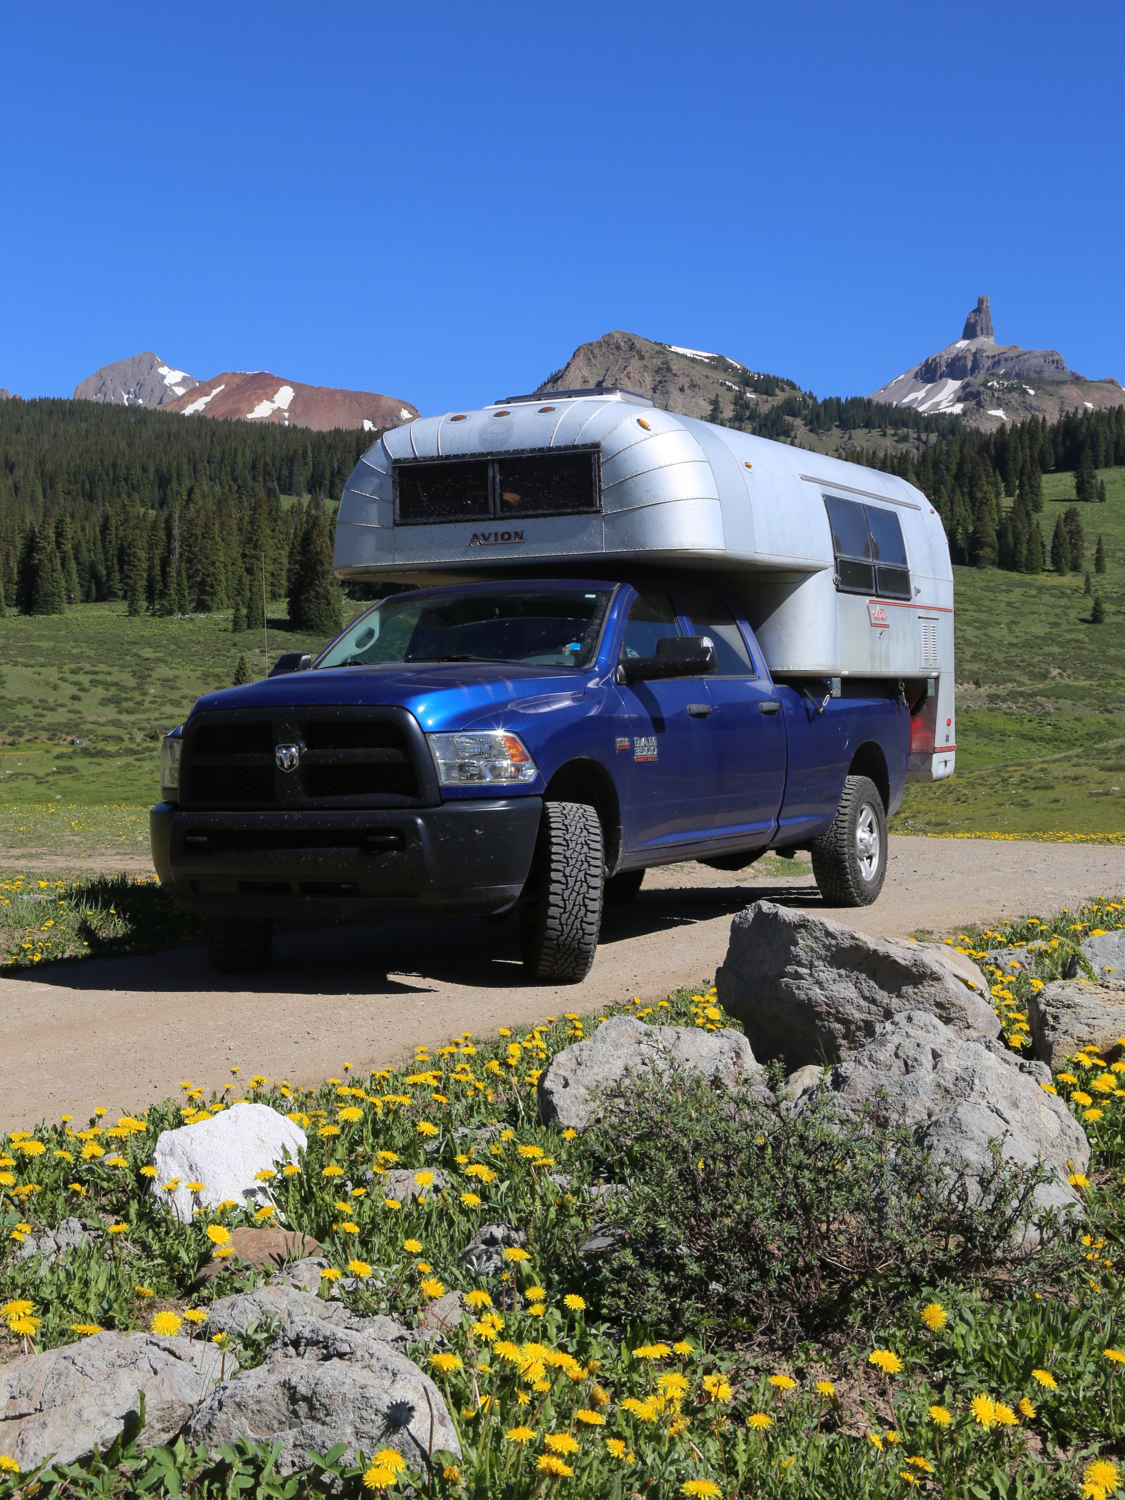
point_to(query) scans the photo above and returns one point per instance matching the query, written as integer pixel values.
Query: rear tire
(239, 945)
(560, 921)
(850, 860)
(622, 888)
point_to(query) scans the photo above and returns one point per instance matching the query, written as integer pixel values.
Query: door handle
(698, 710)
(769, 708)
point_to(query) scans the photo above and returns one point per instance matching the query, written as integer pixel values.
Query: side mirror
(676, 656)
(291, 661)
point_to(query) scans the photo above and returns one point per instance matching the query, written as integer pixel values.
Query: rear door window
(712, 618)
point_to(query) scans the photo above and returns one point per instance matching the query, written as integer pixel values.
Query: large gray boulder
(956, 1095)
(322, 1385)
(225, 1154)
(1072, 1013)
(811, 990)
(278, 1304)
(1106, 953)
(578, 1086)
(64, 1401)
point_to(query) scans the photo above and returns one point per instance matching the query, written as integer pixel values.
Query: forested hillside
(102, 502)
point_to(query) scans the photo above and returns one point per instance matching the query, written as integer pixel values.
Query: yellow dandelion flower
(590, 1418)
(759, 1421)
(218, 1235)
(561, 1442)
(826, 1388)
(1045, 1379)
(166, 1324)
(1115, 1356)
(888, 1362)
(616, 1447)
(1102, 1477)
(378, 1477)
(432, 1288)
(705, 1489)
(445, 1364)
(984, 1410)
(359, 1268)
(940, 1416)
(8, 1464)
(1027, 1407)
(934, 1316)
(520, 1434)
(783, 1382)
(550, 1464)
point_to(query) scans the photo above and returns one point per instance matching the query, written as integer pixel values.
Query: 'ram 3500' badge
(288, 757)
(644, 747)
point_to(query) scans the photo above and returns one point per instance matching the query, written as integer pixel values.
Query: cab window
(651, 619)
(711, 618)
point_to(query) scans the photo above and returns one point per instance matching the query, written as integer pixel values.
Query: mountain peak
(978, 325)
(144, 380)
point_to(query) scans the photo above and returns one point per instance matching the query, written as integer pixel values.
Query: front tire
(238, 945)
(850, 860)
(559, 923)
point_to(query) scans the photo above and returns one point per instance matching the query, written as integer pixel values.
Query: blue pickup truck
(529, 742)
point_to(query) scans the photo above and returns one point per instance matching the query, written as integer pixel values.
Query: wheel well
(870, 761)
(589, 783)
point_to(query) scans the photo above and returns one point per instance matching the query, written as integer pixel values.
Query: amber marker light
(642, 423)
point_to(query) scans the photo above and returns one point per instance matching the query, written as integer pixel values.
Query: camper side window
(869, 550)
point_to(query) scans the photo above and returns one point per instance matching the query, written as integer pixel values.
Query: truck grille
(347, 757)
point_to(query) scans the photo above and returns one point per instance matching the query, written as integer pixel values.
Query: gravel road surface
(124, 1032)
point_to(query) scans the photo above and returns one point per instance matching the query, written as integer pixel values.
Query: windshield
(543, 627)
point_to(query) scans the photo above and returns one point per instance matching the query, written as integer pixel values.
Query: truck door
(669, 780)
(749, 728)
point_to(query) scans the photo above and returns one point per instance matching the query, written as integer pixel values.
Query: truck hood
(440, 695)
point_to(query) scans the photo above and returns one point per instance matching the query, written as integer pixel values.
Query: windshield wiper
(510, 660)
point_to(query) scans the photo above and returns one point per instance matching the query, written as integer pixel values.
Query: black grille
(358, 780)
(235, 739)
(232, 784)
(353, 734)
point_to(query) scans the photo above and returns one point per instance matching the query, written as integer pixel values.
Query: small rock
(602, 1241)
(811, 990)
(225, 1153)
(401, 1186)
(1107, 954)
(306, 1275)
(66, 1400)
(440, 1316)
(956, 1096)
(1072, 1013)
(53, 1244)
(265, 1247)
(803, 1081)
(372, 1398)
(579, 1084)
(484, 1254)
(317, 1338)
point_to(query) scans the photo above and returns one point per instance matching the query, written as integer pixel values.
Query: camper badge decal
(644, 747)
(878, 615)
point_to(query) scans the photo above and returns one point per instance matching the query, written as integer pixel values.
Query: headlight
(490, 755)
(170, 747)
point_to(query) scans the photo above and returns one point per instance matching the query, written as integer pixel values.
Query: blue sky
(441, 202)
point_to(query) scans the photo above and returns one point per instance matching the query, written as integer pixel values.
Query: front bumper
(459, 859)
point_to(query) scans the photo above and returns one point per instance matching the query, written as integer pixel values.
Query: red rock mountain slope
(256, 396)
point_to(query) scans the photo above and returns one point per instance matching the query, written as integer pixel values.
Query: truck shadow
(403, 958)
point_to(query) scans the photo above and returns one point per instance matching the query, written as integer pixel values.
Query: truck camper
(618, 638)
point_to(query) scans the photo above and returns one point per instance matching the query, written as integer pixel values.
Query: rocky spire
(978, 325)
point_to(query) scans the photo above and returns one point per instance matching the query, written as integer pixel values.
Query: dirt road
(124, 1032)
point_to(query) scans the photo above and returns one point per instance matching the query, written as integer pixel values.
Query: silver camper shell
(671, 492)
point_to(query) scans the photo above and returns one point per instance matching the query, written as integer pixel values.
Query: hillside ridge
(258, 396)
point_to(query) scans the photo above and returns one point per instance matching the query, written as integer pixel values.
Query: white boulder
(225, 1154)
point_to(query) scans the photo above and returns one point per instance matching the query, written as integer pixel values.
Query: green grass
(116, 683)
(1040, 693)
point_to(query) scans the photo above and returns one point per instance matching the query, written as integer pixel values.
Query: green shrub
(740, 1213)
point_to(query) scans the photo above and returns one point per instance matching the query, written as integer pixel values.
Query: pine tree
(154, 585)
(1099, 557)
(315, 599)
(242, 673)
(1075, 536)
(64, 545)
(1097, 614)
(1087, 585)
(984, 537)
(716, 413)
(49, 586)
(1101, 492)
(1035, 493)
(1035, 549)
(136, 573)
(238, 619)
(3, 607)
(183, 595)
(1086, 478)
(211, 576)
(254, 612)
(1060, 548)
